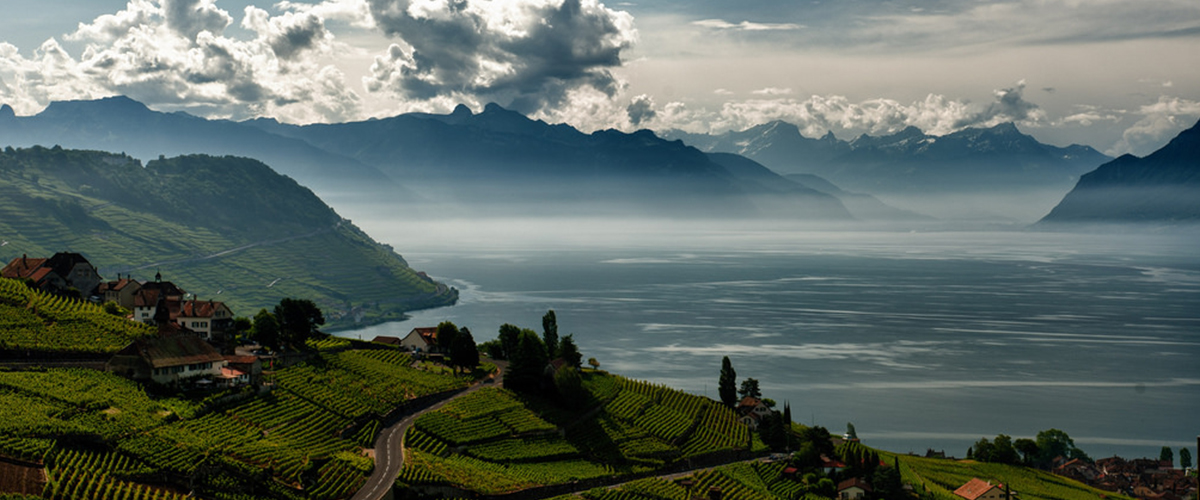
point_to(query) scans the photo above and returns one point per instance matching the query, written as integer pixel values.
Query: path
(389, 446)
(233, 250)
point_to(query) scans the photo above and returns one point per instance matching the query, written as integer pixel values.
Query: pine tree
(550, 333)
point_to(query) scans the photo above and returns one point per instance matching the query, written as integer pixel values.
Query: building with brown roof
(382, 339)
(978, 489)
(168, 359)
(853, 489)
(422, 339)
(210, 319)
(751, 411)
(65, 273)
(121, 291)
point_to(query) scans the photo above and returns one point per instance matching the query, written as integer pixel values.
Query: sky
(1122, 76)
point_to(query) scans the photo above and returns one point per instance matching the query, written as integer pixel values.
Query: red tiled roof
(749, 402)
(241, 360)
(427, 333)
(386, 340)
(854, 482)
(227, 372)
(22, 267)
(976, 488)
(199, 308)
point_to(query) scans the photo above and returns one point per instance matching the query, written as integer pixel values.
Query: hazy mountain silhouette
(122, 124)
(910, 161)
(504, 160)
(1164, 186)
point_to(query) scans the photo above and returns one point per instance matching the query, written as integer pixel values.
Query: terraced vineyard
(34, 320)
(493, 442)
(103, 437)
(938, 478)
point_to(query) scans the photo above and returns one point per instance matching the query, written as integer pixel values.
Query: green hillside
(938, 478)
(100, 436)
(38, 321)
(223, 228)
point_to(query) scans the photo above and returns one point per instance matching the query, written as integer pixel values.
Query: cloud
(174, 54)
(719, 24)
(525, 54)
(1160, 122)
(641, 109)
(772, 91)
(936, 114)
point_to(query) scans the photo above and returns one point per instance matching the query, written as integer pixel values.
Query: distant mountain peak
(114, 104)
(461, 111)
(6, 111)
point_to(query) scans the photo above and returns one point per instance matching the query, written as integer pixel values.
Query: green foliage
(266, 329)
(216, 225)
(527, 363)
(1055, 443)
(37, 321)
(727, 384)
(298, 320)
(550, 333)
(569, 385)
(569, 352)
(937, 479)
(750, 389)
(464, 353)
(1185, 458)
(1166, 455)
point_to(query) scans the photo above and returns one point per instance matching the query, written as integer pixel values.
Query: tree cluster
(292, 322)
(529, 357)
(459, 344)
(1039, 452)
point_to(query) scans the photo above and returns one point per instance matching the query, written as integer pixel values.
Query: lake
(922, 340)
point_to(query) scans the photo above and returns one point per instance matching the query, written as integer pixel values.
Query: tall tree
(569, 384)
(1166, 455)
(727, 384)
(508, 339)
(550, 333)
(850, 432)
(1054, 443)
(1003, 450)
(569, 352)
(464, 353)
(750, 389)
(298, 320)
(526, 365)
(266, 329)
(1185, 458)
(446, 333)
(1028, 449)
(787, 414)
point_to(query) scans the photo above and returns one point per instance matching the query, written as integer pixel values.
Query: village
(201, 344)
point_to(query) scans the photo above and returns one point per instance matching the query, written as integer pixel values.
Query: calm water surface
(921, 340)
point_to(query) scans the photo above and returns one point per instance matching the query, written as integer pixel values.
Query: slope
(1162, 187)
(226, 229)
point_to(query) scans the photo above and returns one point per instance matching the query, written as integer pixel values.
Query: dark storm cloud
(189, 17)
(640, 110)
(526, 54)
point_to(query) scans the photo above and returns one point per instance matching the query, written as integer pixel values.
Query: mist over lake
(922, 340)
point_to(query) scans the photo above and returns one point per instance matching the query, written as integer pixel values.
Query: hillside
(228, 229)
(37, 321)
(1163, 187)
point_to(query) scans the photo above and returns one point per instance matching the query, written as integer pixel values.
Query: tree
(850, 432)
(984, 450)
(446, 333)
(772, 432)
(508, 339)
(569, 384)
(750, 389)
(527, 363)
(298, 320)
(1003, 450)
(550, 333)
(1185, 458)
(727, 384)
(593, 363)
(569, 352)
(1054, 443)
(887, 483)
(1028, 449)
(787, 414)
(464, 353)
(266, 329)
(115, 309)
(1166, 455)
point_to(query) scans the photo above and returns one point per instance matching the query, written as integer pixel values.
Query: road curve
(389, 445)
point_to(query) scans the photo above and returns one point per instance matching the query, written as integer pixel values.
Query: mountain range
(975, 170)
(1163, 186)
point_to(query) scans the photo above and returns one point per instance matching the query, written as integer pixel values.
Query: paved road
(389, 446)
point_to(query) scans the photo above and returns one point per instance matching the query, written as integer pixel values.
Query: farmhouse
(65, 273)
(978, 489)
(122, 291)
(208, 318)
(751, 411)
(422, 339)
(167, 359)
(853, 489)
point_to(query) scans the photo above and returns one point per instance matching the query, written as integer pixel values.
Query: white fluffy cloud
(528, 55)
(175, 54)
(1160, 122)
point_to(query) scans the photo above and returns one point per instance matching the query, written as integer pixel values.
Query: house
(208, 318)
(250, 365)
(853, 489)
(751, 411)
(121, 291)
(421, 339)
(167, 359)
(146, 300)
(232, 377)
(978, 489)
(65, 273)
(392, 341)
(830, 465)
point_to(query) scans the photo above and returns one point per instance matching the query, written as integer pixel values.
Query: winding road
(389, 446)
